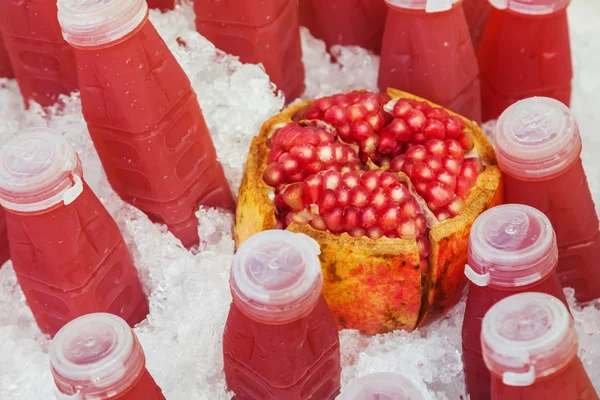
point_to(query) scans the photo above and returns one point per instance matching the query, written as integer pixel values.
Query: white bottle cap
(276, 276)
(96, 356)
(511, 245)
(526, 337)
(38, 170)
(429, 6)
(537, 139)
(531, 7)
(381, 386)
(97, 22)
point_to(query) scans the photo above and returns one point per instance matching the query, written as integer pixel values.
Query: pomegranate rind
(375, 286)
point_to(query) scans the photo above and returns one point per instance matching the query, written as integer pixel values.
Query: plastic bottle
(265, 31)
(525, 51)
(162, 5)
(143, 114)
(67, 251)
(42, 61)
(530, 347)
(381, 386)
(98, 357)
(512, 249)
(345, 22)
(427, 51)
(280, 340)
(477, 13)
(538, 148)
(4, 247)
(5, 67)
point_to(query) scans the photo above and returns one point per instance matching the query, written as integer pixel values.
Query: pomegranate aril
(379, 199)
(313, 168)
(292, 196)
(342, 100)
(469, 171)
(466, 142)
(351, 179)
(274, 154)
(476, 161)
(407, 229)
(387, 143)
(357, 232)
(420, 171)
(434, 163)
(409, 209)
(420, 224)
(421, 188)
(397, 163)
(359, 197)
(456, 206)
(332, 179)
(302, 217)
(327, 201)
(336, 115)
(419, 138)
(318, 223)
(377, 121)
(370, 180)
(369, 145)
(401, 108)
(442, 215)
(424, 246)
(288, 164)
(454, 127)
(342, 195)
(375, 232)
(273, 175)
(437, 113)
(436, 147)
(421, 106)
(333, 220)
(326, 153)
(361, 130)
(304, 153)
(415, 119)
(439, 195)
(434, 129)
(400, 129)
(399, 193)
(416, 153)
(351, 219)
(389, 219)
(407, 167)
(368, 217)
(451, 165)
(370, 104)
(454, 149)
(356, 112)
(463, 186)
(387, 180)
(446, 178)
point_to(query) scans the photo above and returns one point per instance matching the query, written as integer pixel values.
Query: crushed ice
(189, 294)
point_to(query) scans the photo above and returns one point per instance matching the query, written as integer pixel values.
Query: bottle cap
(526, 337)
(511, 245)
(276, 276)
(531, 7)
(429, 6)
(381, 386)
(97, 22)
(536, 139)
(96, 356)
(38, 169)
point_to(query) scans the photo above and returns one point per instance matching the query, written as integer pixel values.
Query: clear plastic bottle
(530, 347)
(525, 51)
(67, 252)
(98, 357)
(280, 340)
(538, 148)
(477, 13)
(512, 249)
(427, 51)
(381, 386)
(143, 114)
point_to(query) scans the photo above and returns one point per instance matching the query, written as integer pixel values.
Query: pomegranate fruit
(389, 185)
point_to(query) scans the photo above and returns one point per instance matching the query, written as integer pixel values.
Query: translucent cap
(38, 170)
(511, 245)
(526, 337)
(96, 356)
(97, 22)
(531, 7)
(276, 276)
(427, 5)
(537, 139)
(381, 386)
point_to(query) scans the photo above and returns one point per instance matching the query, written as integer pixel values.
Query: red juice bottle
(427, 51)
(143, 115)
(42, 61)
(280, 340)
(381, 386)
(538, 148)
(530, 347)
(5, 67)
(265, 31)
(512, 249)
(67, 251)
(162, 5)
(477, 13)
(345, 22)
(98, 357)
(525, 51)
(4, 247)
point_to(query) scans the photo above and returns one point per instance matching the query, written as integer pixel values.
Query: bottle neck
(279, 315)
(115, 42)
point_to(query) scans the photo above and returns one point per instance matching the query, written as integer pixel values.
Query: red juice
(4, 246)
(98, 356)
(512, 249)
(280, 340)
(143, 115)
(67, 251)
(538, 147)
(530, 346)
(266, 32)
(427, 51)
(381, 386)
(42, 61)
(477, 13)
(345, 22)
(525, 51)
(162, 5)
(5, 67)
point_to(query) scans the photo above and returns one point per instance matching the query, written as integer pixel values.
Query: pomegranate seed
(477, 162)
(358, 232)
(434, 163)
(342, 100)
(439, 195)
(387, 179)
(447, 179)
(397, 163)
(370, 104)
(420, 224)
(421, 188)
(336, 116)
(354, 97)
(327, 201)
(370, 180)
(351, 219)
(456, 206)
(384, 163)
(422, 172)
(382, 98)
(454, 126)
(416, 153)
(466, 142)
(401, 108)
(436, 147)
(359, 197)
(387, 143)
(463, 186)
(273, 175)
(399, 193)
(409, 209)
(469, 171)
(313, 168)
(311, 188)
(342, 195)
(326, 153)
(407, 167)
(389, 219)
(333, 220)
(379, 199)
(302, 218)
(424, 246)
(340, 153)
(399, 129)
(323, 104)
(304, 153)
(415, 119)
(318, 223)
(377, 121)
(419, 138)
(331, 179)
(274, 154)
(344, 132)
(454, 149)
(288, 219)
(351, 179)
(368, 217)
(356, 112)
(422, 106)
(407, 229)
(451, 165)
(375, 232)
(292, 196)
(288, 164)
(437, 113)
(369, 145)
(297, 177)
(434, 129)
(442, 215)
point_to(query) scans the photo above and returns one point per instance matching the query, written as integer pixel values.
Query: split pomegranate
(389, 185)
